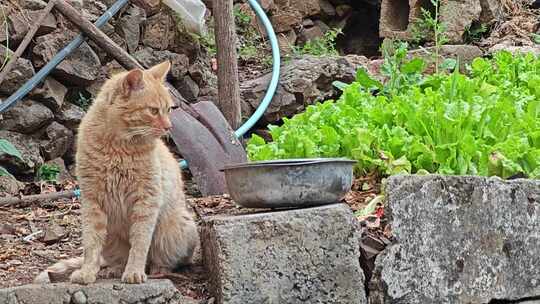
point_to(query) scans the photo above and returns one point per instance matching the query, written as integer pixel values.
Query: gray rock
(201, 72)
(327, 9)
(311, 33)
(398, 17)
(151, 7)
(93, 8)
(59, 140)
(179, 62)
(306, 8)
(77, 4)
(79, 298)
(459, 240)
(458, 15)
(129, 27)
(343, 10)
(323, 26)
(535, 50)
(307, 22)
(10, 186)
(79, 68)
(110, 31)
(51, 94)
(289, 14)
(188, 88)
(491, 10)
(285, 20)
(110, 292)
(287, 41)
(302, 82)
(21, 21)
(295, 256)
(26, 116)
(29, 149)
(3, 34)
(21, 72)
(70, 115)
(33, 4)
(159, 31)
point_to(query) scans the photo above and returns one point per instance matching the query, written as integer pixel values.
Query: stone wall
(44, 124)
(459, 240)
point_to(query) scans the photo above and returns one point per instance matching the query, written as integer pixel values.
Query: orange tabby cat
(133, 207)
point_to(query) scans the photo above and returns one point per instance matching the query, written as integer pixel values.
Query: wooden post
(228, 83)
(94, 33)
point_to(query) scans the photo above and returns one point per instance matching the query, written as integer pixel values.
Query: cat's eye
(169, 110)
(154, 111)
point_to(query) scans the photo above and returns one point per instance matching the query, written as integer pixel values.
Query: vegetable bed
(483, 123)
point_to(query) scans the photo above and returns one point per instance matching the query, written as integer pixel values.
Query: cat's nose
(166, 124)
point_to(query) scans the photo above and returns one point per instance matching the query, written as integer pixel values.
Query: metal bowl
(289, 182)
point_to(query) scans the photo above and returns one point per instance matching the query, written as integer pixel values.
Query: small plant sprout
(321, 46)
(429, 27)
(49, 172)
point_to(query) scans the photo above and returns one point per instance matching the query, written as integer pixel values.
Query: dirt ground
(33, 237)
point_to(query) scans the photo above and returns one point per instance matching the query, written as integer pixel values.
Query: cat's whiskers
(137, 132)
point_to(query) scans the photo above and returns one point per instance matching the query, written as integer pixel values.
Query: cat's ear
(160, 71)
(133, 81)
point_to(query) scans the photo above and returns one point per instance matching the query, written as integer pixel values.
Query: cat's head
(142, 102)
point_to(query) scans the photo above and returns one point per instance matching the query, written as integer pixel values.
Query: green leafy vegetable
(486, 123)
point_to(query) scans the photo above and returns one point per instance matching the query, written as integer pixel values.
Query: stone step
(110, 292)
(293, 256)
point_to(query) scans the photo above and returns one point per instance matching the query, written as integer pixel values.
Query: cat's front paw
(133, 277)
(82, 277)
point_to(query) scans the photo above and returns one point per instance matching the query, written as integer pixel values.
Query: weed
(208, 42)
(83, 101)
(248, 51)
(475, 32)
(242, 20)
(267, 62)
(429, 27)
(249, 46)
(48, 172)
(323, 46)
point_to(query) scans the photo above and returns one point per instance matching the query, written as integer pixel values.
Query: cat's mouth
(159, 132)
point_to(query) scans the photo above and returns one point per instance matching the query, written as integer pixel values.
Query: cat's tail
(63, 267)
(60, 268)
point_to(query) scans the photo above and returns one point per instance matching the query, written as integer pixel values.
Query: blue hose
(72, 46)
(273, 81)
(275, 71)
